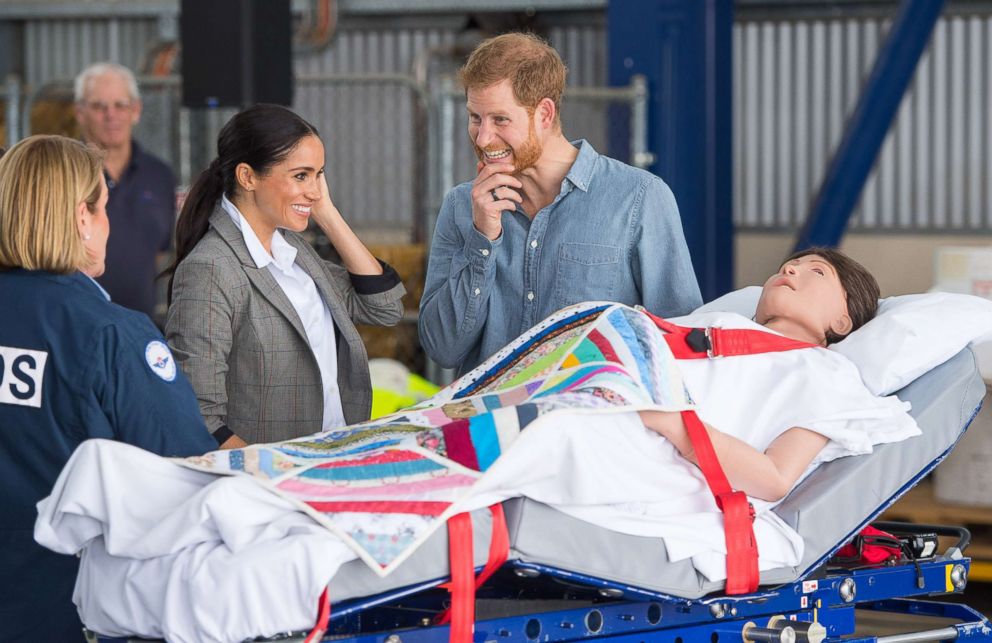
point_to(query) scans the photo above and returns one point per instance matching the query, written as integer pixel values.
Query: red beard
(525, 156)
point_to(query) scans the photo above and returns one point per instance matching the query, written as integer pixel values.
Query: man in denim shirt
(546, 223)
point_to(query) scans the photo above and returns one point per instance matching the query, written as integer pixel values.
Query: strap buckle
(701, 341)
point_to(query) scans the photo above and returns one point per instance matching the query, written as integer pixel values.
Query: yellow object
(395, 388)
(980, 571)
(420, 387)
(386, 402)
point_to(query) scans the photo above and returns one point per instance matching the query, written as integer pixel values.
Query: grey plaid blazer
(240, 342)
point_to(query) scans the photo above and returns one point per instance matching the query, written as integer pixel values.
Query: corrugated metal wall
(369, 128)
(56, 49)
(795, 83)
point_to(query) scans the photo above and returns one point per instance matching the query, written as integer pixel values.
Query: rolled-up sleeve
(370, 299)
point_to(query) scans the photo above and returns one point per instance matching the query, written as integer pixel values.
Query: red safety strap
(499, 545)
(462, 585)
(323, 616)
(738, 513)
(699, 343)
(462, 597)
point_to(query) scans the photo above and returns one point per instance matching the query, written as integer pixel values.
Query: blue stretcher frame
(829, 601)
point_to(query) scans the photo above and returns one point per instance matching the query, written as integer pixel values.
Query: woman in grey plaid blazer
(256, 318)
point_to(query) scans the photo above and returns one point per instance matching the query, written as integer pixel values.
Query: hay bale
(50, 117)
(53, 112)
(410, 262)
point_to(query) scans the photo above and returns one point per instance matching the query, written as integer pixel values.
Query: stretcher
(565, 579)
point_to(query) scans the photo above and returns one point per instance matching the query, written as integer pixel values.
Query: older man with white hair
(142, 201)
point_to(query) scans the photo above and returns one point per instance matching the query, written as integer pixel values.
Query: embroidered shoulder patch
(159, 359)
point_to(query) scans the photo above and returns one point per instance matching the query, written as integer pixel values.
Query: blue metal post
(868, 125)
(684, 47)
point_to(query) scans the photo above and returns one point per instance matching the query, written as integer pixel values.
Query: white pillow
(910, 335)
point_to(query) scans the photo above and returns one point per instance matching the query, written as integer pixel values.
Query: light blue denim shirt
(613, 233)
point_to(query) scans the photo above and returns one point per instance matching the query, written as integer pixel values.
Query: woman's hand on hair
(354, 255)
(324, 212)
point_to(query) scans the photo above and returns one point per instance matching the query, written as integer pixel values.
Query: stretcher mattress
(826, 508)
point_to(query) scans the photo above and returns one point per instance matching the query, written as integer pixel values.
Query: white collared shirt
(306, 300)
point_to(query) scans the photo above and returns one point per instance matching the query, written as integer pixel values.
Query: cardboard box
(964, 269)
(967, 270)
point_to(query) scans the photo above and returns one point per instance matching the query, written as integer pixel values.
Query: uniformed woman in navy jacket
(73, 366)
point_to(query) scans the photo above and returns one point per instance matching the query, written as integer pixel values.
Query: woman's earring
(87, 237)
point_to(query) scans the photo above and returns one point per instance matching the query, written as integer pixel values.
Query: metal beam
(869, 124)
(683, 48)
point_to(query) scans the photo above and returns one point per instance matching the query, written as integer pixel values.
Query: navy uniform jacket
(72, 366)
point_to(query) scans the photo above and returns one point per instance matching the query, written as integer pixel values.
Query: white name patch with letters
(22, 374)
(159, 359)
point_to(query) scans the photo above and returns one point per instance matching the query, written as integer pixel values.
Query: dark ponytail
(261, 136)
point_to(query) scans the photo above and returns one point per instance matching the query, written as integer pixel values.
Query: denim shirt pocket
(586, 272)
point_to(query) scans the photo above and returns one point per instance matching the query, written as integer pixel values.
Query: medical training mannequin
(818, 296)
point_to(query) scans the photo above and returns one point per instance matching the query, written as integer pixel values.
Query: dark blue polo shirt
(142, 212)
(73, 366)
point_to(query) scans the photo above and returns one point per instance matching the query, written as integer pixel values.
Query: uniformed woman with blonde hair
(73, 366)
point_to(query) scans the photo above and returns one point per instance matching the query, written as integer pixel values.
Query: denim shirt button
(533, 244)
(485, 252)
(477, 291)
(530, 296)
